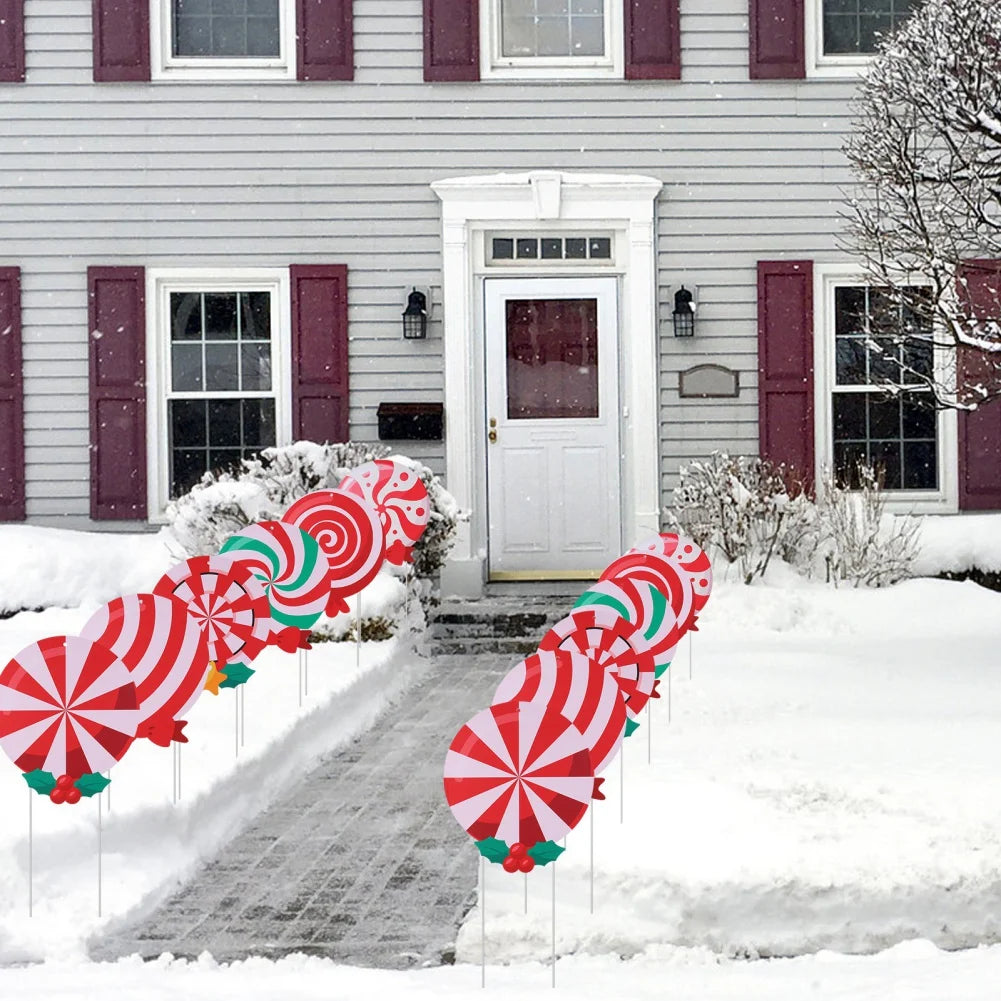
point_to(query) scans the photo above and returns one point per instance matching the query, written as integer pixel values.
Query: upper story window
(558, 38)
(842, 35)
(235, 39)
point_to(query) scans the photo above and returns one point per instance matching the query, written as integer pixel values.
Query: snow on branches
(925, 149)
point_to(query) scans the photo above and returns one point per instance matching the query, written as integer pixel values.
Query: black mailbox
(410, 421)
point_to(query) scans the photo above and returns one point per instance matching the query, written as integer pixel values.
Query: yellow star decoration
(214, 680)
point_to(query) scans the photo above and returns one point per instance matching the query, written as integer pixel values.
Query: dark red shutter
(653, 39)
(325, 40)
(117, 339)
(785, 364)
(319, 352)
(121, 40)
(11, 398)
(11, 41)
(980, 430)
(777, 42)
(451, 40)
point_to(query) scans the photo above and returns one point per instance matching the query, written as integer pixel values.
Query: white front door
(552, 426)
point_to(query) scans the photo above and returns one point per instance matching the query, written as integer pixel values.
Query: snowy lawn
(827, 782)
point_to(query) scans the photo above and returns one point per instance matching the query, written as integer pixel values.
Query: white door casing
(552, 472)
(622, 204)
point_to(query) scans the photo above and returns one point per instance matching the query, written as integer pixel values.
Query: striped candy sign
(519, 772)
(67, 706)
(688, 556)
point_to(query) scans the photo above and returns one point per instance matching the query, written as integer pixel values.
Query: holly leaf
(545, 852)
(631, 727)
(92, 784)
(659, 669)
(236, 674)
(42, 782)
(493, 849)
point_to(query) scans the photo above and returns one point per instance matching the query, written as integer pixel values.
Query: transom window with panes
(217, 371)
(564, 37)
(223, 37)
(879, 342)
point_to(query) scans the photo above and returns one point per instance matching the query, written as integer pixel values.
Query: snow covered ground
(826, 785)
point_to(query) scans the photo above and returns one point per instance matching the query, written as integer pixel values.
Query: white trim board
(549, 201)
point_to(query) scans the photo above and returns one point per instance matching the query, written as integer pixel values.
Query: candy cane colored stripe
(472, 768)
(468, 811)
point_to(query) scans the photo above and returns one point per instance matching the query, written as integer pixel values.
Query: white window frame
(944, 500)
(817, 63)
(166, 66)
(495, 66)
(160, 282)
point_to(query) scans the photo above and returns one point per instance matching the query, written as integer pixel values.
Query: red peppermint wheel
(396, 491)
(614, 644)
(519, 772)
(673, 582)
(226, 601)
(164, 648)
(688, 556)
(643, 604)
(350, 535)
(67, 706)
(579, 689)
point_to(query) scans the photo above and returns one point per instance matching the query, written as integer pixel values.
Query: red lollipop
(601, 634)
(67, 706)
(673, 582)
(399, 495)
(166, 651)
(688, 556)
(518, 772)
(350, 535)
(226, 601)
(578, 688)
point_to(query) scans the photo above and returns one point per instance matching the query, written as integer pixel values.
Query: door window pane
(552, 358)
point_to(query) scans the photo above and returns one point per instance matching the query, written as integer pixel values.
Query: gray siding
(270, 174)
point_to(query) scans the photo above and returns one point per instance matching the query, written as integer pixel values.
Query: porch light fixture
(415, 317)
(684, 314)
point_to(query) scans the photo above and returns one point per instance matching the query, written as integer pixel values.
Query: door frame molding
(551, 201)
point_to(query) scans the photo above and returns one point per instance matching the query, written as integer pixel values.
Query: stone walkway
(362, 862)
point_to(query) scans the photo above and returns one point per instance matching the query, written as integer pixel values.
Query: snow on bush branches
(749, 510)
(261, 488)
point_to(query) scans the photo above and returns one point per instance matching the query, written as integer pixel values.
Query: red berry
(58, 795)
(518, 849)
(73, 795)
(526, 863)
(510, 864)
(64, 781)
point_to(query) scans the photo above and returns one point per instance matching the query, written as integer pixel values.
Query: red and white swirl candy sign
(399, 495)
(67, 706)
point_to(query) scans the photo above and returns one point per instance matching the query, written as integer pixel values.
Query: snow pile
(959, 542)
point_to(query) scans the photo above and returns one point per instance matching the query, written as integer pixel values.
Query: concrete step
(514, 647)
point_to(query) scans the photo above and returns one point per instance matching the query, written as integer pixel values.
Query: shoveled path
(362, 862)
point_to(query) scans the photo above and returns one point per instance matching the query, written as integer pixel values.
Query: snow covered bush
(744, 509)
(261, 488)
(859, 541)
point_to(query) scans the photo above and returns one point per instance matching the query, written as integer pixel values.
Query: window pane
(885, 459)
(847, 456)
(918, 358)
(221, 371)
(552, 249)
(255, 363)
(258, 423)
(576, 248)
(224, 423)
(528, 249)
(884, 361)
(849, 310)
(552, 36)
(220, 315)
(186, 367)
(552, 358)
(850, 416)
(187, 468)
(850, 361)
(851, 26)
(884, 417)
(587, 36)
(920, 465)
(918, 421)
(503, 249)
(550, 7)
(553, 28)
(185, 316)
(601, 247)
(255, 316)
(187, 423)
(227, 28)
(224, 458)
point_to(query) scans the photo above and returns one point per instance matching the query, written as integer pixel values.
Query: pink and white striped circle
(599, 633)
(67, 706)
(350, 535)
(396, 491)
(519, 772)
(162, 646)
(578, 688)
(688, 556)
(226, 601)
(667, 577)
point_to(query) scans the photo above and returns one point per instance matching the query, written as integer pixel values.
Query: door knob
(492, 433)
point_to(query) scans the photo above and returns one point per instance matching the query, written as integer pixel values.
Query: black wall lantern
(684, 314)
(415, 316)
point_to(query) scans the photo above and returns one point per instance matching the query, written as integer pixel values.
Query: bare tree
(925, 150)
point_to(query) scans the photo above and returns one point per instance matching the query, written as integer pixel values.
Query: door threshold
(521, 575)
